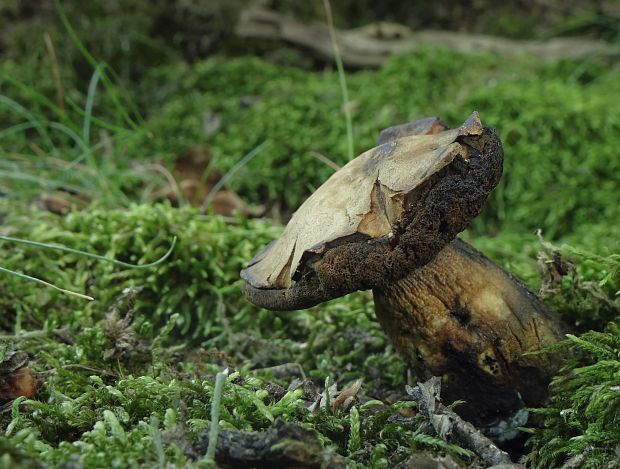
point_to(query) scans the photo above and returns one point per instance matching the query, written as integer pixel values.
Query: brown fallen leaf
(338, 399)
(227, 202)
(193, 165)
(16, 379)
(23, 382)
(61, 202)
(346, 396)
(195, 180)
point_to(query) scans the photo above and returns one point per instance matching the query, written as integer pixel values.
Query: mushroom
(387, 221)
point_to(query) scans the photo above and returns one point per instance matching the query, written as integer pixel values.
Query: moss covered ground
(128, 379)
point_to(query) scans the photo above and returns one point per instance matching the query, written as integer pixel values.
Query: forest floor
(142, 375)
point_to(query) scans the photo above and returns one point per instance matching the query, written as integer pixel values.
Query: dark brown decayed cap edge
(312, 290)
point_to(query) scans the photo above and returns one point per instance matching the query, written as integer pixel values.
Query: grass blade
(341, 78)
(220, 379)
(88, 254)
(231, 172)
(88, 108)
(46, 284)
(95, 64)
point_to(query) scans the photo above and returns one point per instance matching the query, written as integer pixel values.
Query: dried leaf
(22, 382)
(16, 379)
(346, 396)
(195, 179)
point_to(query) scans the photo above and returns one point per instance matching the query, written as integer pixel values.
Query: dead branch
(446, 423)
(371, 45)
(282, 445)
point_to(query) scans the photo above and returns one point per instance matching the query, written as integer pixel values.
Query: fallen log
(371, 45)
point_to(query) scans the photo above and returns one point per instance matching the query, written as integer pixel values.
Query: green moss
(92, 407)
(113, 390)
(119, 420)
(556, 150)
(559, 130)
(559, 134)
(107, 382)
(582, 417)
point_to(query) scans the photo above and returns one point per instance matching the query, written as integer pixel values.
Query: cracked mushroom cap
(388, 211)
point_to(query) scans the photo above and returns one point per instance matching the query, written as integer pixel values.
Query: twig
(364, 48)
(577, 461)
(324, 159)
(446, 422)
(4, 408)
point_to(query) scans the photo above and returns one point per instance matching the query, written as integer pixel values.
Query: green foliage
(584, 413)
(132, 35)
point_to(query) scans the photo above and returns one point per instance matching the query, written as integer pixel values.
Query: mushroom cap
(388, 211)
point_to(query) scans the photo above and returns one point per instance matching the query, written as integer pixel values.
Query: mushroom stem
(465, 319)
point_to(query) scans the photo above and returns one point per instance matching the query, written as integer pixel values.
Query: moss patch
(128, 378)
